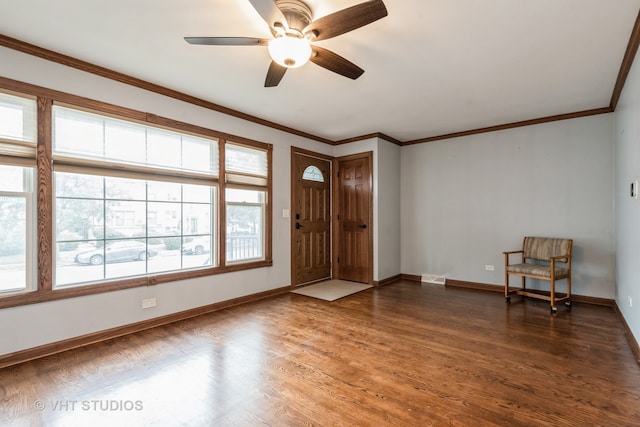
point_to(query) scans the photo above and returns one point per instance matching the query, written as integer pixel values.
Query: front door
(355, 236)
(311, 222)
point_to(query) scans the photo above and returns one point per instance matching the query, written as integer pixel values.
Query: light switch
(285, 213)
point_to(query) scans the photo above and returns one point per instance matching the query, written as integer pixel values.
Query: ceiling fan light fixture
(291, 51)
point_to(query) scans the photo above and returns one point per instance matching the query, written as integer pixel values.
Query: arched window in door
(312, 173)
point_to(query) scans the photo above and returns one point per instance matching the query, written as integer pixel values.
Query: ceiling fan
(293, 29)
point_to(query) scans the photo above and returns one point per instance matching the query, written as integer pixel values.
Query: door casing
(335, 202)
(337, 194)
(304, 275)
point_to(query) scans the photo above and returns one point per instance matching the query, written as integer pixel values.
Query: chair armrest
(561, 258)
(506, 256)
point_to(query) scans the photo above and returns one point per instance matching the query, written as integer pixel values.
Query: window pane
(165, 191)
(125, 189)
(12, 178)
(78, 220)
(244, 196)
(79, 186)
(196, 193)
(78, 134)
(13, 243)
(247, 160)
(125, 219)
(196, 219)
(127, 258)
(197, 155)
(164, 219)
(85, 135)
(164, 149)
(17, 118)
(196, 251)
(124, 138)
(245, 225)
(125, 233)
(312, 173)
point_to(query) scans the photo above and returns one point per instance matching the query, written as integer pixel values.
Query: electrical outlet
(489, 267)
(148, 303)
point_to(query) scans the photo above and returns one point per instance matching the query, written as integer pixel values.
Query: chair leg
(506, 286)
(552, 295)
(568, 301)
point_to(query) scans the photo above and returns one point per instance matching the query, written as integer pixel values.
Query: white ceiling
(432, 67)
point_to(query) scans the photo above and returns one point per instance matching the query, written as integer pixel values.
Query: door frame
(292, 222)
(335, 251)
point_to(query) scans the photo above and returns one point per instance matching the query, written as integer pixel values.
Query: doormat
(331, 290)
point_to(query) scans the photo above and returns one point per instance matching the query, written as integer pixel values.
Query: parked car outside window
(197, 246)
(126, 250)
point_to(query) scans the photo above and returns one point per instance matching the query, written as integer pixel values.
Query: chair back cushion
(544, 248)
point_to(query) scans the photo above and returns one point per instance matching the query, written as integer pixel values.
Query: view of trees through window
(245, 219)
(15, 219)
(130, 199)
(108, 227)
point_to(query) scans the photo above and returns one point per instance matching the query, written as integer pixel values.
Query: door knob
(363, 226)
(299, 226)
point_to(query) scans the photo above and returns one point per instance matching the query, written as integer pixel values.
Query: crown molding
(49, 55)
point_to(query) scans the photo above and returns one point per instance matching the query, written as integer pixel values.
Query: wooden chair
(542, 258)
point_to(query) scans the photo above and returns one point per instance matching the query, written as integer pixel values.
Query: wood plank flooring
(405, 354)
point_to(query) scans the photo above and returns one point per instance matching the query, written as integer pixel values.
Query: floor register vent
(433, 278)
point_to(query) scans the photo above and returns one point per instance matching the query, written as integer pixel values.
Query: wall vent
(433, 278)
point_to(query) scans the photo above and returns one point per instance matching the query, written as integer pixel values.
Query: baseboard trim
(607, 302)
(474, 285)
(633, 343)
(387, 281)
(84, 340)
(410, 277)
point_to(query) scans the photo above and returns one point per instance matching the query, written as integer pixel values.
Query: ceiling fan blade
(274, 74)
(347, 19)
(270, 12)
(334, 62)
(227, 41)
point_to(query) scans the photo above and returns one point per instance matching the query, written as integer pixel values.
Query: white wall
(388, 211)
(466, 200)
(627, 124)
(446, 207)
(39, 324)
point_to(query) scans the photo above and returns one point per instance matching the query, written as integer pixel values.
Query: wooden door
(354, 218)
(311, 222)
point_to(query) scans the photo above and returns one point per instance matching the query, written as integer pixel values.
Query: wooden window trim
(44, 197)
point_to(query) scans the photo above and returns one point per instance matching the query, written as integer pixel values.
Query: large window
(97, 197)
(109, 227)
(17, 161)
(131, 200)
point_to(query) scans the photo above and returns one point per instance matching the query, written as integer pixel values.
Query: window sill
(36, 297)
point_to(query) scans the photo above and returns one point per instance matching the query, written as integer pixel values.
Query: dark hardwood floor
(405, 354)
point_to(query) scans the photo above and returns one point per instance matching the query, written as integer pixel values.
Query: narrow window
(17, 168)
(246, 196)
